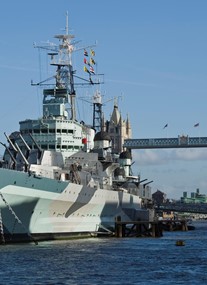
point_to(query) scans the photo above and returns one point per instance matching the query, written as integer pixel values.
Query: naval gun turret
(102, 145)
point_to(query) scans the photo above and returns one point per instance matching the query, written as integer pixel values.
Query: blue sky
(154, 57)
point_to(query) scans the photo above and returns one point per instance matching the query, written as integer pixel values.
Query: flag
(85, 61)
(165, 126)
(85, 69)
(92, 61)
(85, 52)
(196, 125)
(92, 52)
(92, 70)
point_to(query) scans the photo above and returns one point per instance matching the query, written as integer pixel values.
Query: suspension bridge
(155, 143)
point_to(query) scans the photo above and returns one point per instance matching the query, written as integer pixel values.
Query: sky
(153, 55)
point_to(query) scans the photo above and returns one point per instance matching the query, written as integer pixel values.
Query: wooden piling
(137, 228)
(174, 225)
(184, 226)
(153, 230)
(147, 228)
(118, 227)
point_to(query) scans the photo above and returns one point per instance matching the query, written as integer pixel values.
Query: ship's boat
(57, 175)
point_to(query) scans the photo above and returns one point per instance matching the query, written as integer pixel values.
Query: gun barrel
(9, 152)
(22, 155)
(24, 142)
(39, 148)
(11, 143)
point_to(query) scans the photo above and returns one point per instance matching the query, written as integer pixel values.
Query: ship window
(58, 131)
(64, 131)
(24, 131)
(44, 131)
(64, 146)
(51, 130)
(70, 131)
(58, 146)
(51, 146)
(36, 131)
(44, 146)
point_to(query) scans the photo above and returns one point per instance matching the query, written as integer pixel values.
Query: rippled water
(109, 260)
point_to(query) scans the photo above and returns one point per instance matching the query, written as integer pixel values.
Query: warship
(59, 177)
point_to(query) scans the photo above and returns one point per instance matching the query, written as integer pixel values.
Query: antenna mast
(66, 27)
(63, 90)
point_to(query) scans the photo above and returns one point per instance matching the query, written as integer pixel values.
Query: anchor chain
(2, 241)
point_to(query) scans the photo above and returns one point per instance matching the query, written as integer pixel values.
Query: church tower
(118, 129)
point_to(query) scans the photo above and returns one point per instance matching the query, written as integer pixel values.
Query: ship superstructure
(57, 176)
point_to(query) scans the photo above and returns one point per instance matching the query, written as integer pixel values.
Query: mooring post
(184, 226)
(123, 230)
(118, 227)
(171, 226)
(160, 229)
(153, 229)
(138, 230)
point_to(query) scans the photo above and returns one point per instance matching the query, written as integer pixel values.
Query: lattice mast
(97, 112)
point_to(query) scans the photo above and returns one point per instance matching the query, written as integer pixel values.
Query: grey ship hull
(43, 208)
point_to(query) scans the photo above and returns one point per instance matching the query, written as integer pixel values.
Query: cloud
(148, 156)
(190, 154)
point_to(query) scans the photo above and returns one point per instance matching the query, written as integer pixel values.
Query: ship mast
(65, 71)
(72, 89)
(55, 98)
(97, 112)
(63, 90)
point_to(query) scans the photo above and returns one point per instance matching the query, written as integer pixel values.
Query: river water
(109, 260)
